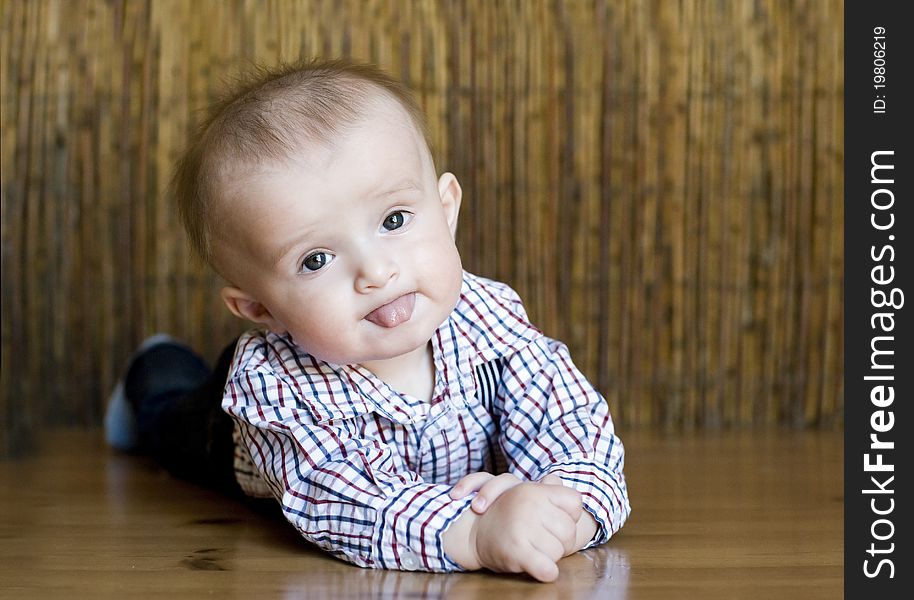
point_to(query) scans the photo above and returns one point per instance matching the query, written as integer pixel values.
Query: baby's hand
(528, 529)
(489, 487)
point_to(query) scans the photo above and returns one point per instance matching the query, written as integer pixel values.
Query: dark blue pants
(177, 400)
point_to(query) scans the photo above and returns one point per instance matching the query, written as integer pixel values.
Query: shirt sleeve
(554, 421)
(353, 497)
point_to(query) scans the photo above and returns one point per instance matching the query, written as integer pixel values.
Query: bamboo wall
(661, 181)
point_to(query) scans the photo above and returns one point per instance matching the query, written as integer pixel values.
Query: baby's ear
(450, 193)
(247, 307)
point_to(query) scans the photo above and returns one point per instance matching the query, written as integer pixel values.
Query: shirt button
(409, 560)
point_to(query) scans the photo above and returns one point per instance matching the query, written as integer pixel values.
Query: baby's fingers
(469, 483)
(568, 500)
(551, 479)
(563, 529)
(491, 490)
(539, 566)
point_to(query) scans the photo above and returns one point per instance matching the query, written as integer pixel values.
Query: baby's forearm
(460, 541)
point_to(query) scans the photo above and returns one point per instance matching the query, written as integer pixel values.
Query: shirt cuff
(408, 533)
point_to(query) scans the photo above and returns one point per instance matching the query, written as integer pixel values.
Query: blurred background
(662, 182)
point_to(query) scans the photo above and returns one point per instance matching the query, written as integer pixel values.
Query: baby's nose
(375, 271)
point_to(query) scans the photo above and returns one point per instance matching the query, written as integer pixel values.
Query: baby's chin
(386, 345)
(396, 346)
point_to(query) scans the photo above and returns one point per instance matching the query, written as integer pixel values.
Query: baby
(403, 412)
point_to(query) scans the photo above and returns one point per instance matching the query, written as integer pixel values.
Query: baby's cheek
(321, 338)
(452, 276)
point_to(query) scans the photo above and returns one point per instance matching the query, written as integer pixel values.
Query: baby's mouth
(393, 313)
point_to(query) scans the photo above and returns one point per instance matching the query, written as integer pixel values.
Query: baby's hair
(267, 116)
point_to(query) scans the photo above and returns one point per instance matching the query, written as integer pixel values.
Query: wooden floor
(723, 515)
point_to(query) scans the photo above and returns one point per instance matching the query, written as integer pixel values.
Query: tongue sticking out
(393, 313)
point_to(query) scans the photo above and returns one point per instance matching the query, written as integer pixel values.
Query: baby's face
(349, 248)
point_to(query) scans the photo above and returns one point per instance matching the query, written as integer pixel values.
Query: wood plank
(717, 515)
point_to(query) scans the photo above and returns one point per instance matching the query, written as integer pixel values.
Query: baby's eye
(316, 261)
(395, 220)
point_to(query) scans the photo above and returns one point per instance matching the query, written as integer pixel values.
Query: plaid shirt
(364, 472)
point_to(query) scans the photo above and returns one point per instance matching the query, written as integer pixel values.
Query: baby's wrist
(585, 530)
(472, 540)
(459, 541)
